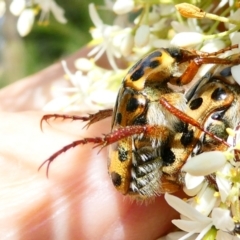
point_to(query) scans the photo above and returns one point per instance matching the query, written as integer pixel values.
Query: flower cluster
(28, 10)
(140, 27)
(214, 211)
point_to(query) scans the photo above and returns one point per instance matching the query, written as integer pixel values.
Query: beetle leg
(107, 139)
(92, 118)
(206, 54)
(187, 119)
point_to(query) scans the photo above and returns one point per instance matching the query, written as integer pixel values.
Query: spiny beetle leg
(187, 119)
(92, 118)
(107, 139)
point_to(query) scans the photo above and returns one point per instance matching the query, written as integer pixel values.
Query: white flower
(25, 22)
(187, 39)
(193, 222)
(161, 43)
(205, 200)
(123, 6)
(222, 219)
(222, 235)
(48, 6)
(105, 35)
(213, 46)
(223, 181)
(127, 44)
(141, 37)
(207, 163)
(2, 8)
(84, 64)
(193, 181)
(177, 235)
(17, 6)
(88, 91)
(235, 70)
(235, 39)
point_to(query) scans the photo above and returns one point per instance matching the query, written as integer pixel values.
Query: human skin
(77, 200)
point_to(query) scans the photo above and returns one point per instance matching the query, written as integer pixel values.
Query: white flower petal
(193, 181)
(222, 220)
(193, 191)
(213, 46)
(235, 15)
(205, 163)
(141, 37)
(190, 226)
(2, 8)
(58, 12)
(123, 6)
(224, 184)
(205, 200)
(127, 44)
(153, 17)
(236, 73)
(17, 6)
(186, 39)
(179, 27)
(25, 22)
(178, 235)
(104, 97)
(204, 232)
(57, 104)
(185, 209)
(161, 43)
(222, 235)
(83, 64)
(94, 15)
(235, 39)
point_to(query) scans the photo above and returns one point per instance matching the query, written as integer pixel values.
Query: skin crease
(78, 200)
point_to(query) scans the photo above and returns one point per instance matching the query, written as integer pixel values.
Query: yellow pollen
(216, 194)
(197, 200)
(230, 132)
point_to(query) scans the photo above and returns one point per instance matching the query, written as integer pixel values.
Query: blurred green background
(20, 57)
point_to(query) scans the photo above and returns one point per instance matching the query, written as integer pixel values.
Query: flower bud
(190, 11)
(123, 6)
(25, 22)
(142, 36)
(186, 39)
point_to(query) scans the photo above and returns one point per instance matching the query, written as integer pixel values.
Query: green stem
(214, 26)
(222, 34)
(221, 19)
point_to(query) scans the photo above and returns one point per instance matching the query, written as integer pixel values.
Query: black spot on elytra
(116, 179)
(181, 127)
(119, 118)
(196, 103)
(154, 54)
(132, 104)
(143, 64)
(187, 138)
(219, 94)
(168, 156)
(226, 72)
(137, 74)
(132, 69)
(122, 154)
(154, 64)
